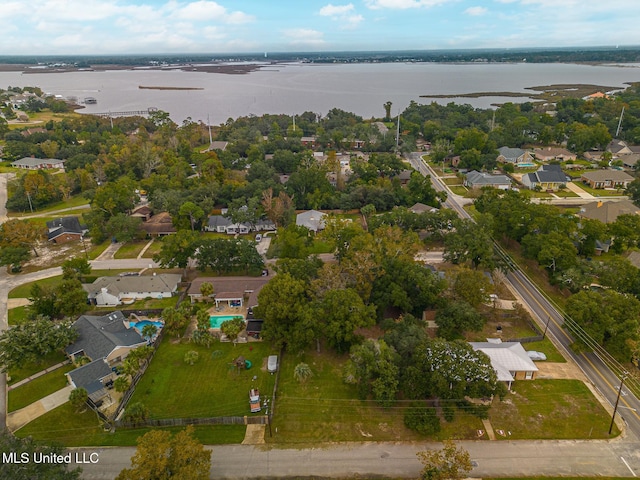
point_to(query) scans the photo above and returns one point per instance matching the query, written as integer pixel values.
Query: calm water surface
(295, 88)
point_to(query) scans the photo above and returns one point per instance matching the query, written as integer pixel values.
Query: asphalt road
(500, 458)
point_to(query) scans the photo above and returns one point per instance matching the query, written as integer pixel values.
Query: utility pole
(544, 334)
(615, 409)
(620, 122)
(398, 133)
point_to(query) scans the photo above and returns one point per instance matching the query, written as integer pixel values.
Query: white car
(536, 356)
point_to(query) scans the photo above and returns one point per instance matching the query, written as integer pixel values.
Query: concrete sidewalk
(20, 418)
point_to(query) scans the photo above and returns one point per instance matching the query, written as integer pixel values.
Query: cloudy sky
(236, 26)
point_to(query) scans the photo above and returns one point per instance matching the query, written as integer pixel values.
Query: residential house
(618, 147)
(509, 360)
(216, 145)
(311, 219)
(547, 177)
(65, 229)
(159, 225)
(106, 341)
(233, 291)
(630, 161)
(607, 179)
(514, 155)
(404, 176)
(111, 291)
(142, 212)
(222, 224)
(547, 154)
(475, 179)
(308, 141)
(422, 208)
(31, 163)
(608, 212)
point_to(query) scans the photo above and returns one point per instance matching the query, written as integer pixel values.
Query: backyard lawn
(64, 426)
(212, 387)
(17, 315)
(38, 388)
(130, 249)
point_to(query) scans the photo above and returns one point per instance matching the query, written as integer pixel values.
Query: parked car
(536, 356)
(272, 363)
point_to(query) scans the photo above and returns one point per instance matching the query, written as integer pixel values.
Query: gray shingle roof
(166, 282)
(511, 153)
(477, 178)
(88, 376)
(98, 336)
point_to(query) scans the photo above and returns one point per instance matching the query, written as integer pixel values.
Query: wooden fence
(181, 422)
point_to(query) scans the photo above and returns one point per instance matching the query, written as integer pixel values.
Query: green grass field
(38, 388)
(23, 291)
(210, 388)
(130, 249)
(16, 316)
(29, 369)
(551, 409)
(64, 426)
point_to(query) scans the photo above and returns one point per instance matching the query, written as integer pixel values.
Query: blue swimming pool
(140, 325)
(216, 320)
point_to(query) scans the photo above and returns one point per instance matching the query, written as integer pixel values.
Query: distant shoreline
(143, 87)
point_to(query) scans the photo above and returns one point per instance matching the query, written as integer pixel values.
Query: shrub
(423, 420)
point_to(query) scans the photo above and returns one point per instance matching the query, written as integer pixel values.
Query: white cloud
(403, 4)
(204, 10)
(344, 15)
(336, 10)
(304, 36)
(475, 11)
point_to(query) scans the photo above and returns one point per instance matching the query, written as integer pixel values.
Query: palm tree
(302, 372)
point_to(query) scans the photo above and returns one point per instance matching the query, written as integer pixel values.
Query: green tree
(472, 286)
(78, 398)
(149, 330)
(121, 384)
(609, 318)
(33, 340)
(14, 257)
(33, 470)
(448, 463)
(282, 304)
(177, 249)
(456, 318)
(372, 368)
(232, 328)
(469, 241)
(71, 298)
(123, 228)
(137, 414)
(175, 321)
(422, 419)
(341, 313)
(191, 357)
(161, 456)
(206, 289)
(192, 212)
(76, 267)
(302, 372)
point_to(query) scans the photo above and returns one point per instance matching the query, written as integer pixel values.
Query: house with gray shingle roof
(108, 337)
(547, 177)
(475, 179)
(509, 359)
(514, 155)
(111, 291)
(30, 163)
(105, 340)
(311, 219)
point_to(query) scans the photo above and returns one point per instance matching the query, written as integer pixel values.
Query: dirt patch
(552, 370)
